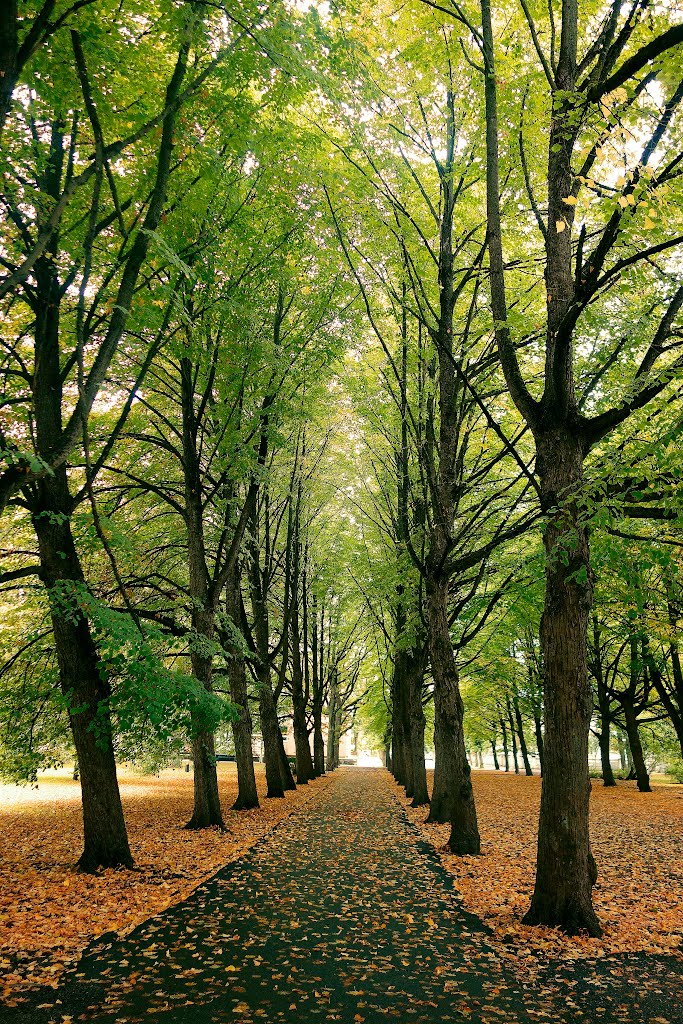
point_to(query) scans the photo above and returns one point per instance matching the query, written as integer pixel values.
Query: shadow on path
(341, 915)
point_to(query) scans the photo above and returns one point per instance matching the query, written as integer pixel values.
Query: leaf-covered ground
(49, 912)
(637, 842)
(343, 914)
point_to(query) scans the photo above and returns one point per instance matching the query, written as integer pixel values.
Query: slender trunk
(637, 755)
(318, 693)
(605, 738)
(454, 799)
(207, 805)
(503, 728)
(420, 793)
(538, 729)
(318, 740)
(520, 733)
(513, 733)
(247, 795)
(495, 754)
(332, 727)
(304, 761)
(398, 744)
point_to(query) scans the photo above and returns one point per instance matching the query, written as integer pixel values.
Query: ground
(345, 913)
(636, 839)
(49, 912)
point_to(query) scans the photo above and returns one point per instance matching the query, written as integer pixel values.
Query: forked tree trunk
(453, 800)
(566, 870)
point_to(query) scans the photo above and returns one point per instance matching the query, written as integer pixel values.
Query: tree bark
(420, 792)
(247, 795)
(503, 729)
(520, 733)
(82, 683)
(636, 747)
(566, 870)
(453, 800)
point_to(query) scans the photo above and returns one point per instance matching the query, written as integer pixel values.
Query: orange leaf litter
(637, 842)
(49, 912)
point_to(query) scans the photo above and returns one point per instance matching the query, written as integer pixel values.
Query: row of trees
(328, 343)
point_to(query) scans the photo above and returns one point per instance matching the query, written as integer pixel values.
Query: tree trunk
(637, 755)
(513, 733)
(247, 795)
(207, 806)
(520, 733)
(270, 730)
(503, 728)
(81, 681)
(495, 754)
(420, 793)
(81, 675)
(538, 729)
(453, 800)
(318, 740)
(332, 726)
(566, 870)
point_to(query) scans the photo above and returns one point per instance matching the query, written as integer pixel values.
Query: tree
(611, 76)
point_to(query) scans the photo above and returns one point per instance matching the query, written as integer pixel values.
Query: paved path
(342, 914)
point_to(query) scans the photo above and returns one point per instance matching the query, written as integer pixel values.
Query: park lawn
(49, 912)
(637, 842)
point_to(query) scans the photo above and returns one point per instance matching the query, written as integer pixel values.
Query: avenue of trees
(341, 366)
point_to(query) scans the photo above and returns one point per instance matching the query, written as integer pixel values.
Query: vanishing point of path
(342, 914)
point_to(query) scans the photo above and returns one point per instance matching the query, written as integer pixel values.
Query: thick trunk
(637, 755)
(285, 767)
(566, 870)
(454, 799)
(207, 804)
(270, 730)
(82, 679)
(9, 65)
(87, 693)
